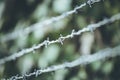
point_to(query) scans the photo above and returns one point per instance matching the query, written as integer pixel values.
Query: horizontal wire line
(39, 25)
(83, 60)
(45, 43)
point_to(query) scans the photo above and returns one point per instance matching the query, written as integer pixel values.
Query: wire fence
(45, 43)
(83, 60)
(39, 25)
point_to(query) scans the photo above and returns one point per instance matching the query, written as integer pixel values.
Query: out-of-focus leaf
(60, 74)
(61, 6)
(82, 74)
(107, 68)
(96, 65)
(81, 21)
(50, 55)
(25, 64)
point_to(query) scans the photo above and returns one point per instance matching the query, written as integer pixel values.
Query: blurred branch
(83, 60)
(39, 25)
(45, 43)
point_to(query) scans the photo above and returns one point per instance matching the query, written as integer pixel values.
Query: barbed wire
(37, 26)
(47, 42)
(83, 60)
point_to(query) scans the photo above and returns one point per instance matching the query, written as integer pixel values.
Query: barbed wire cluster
(47, 42)
(83, 60)
(34, 27)
(40, 25)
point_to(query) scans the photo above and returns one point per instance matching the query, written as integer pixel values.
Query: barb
(60, 39)
(39, 25)
(90, 2)
(83, 60)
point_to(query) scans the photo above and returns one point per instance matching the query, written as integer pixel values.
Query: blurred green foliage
(18, 14)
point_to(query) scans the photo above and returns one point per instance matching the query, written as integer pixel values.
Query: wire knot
(47, 42)
(61, 39)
